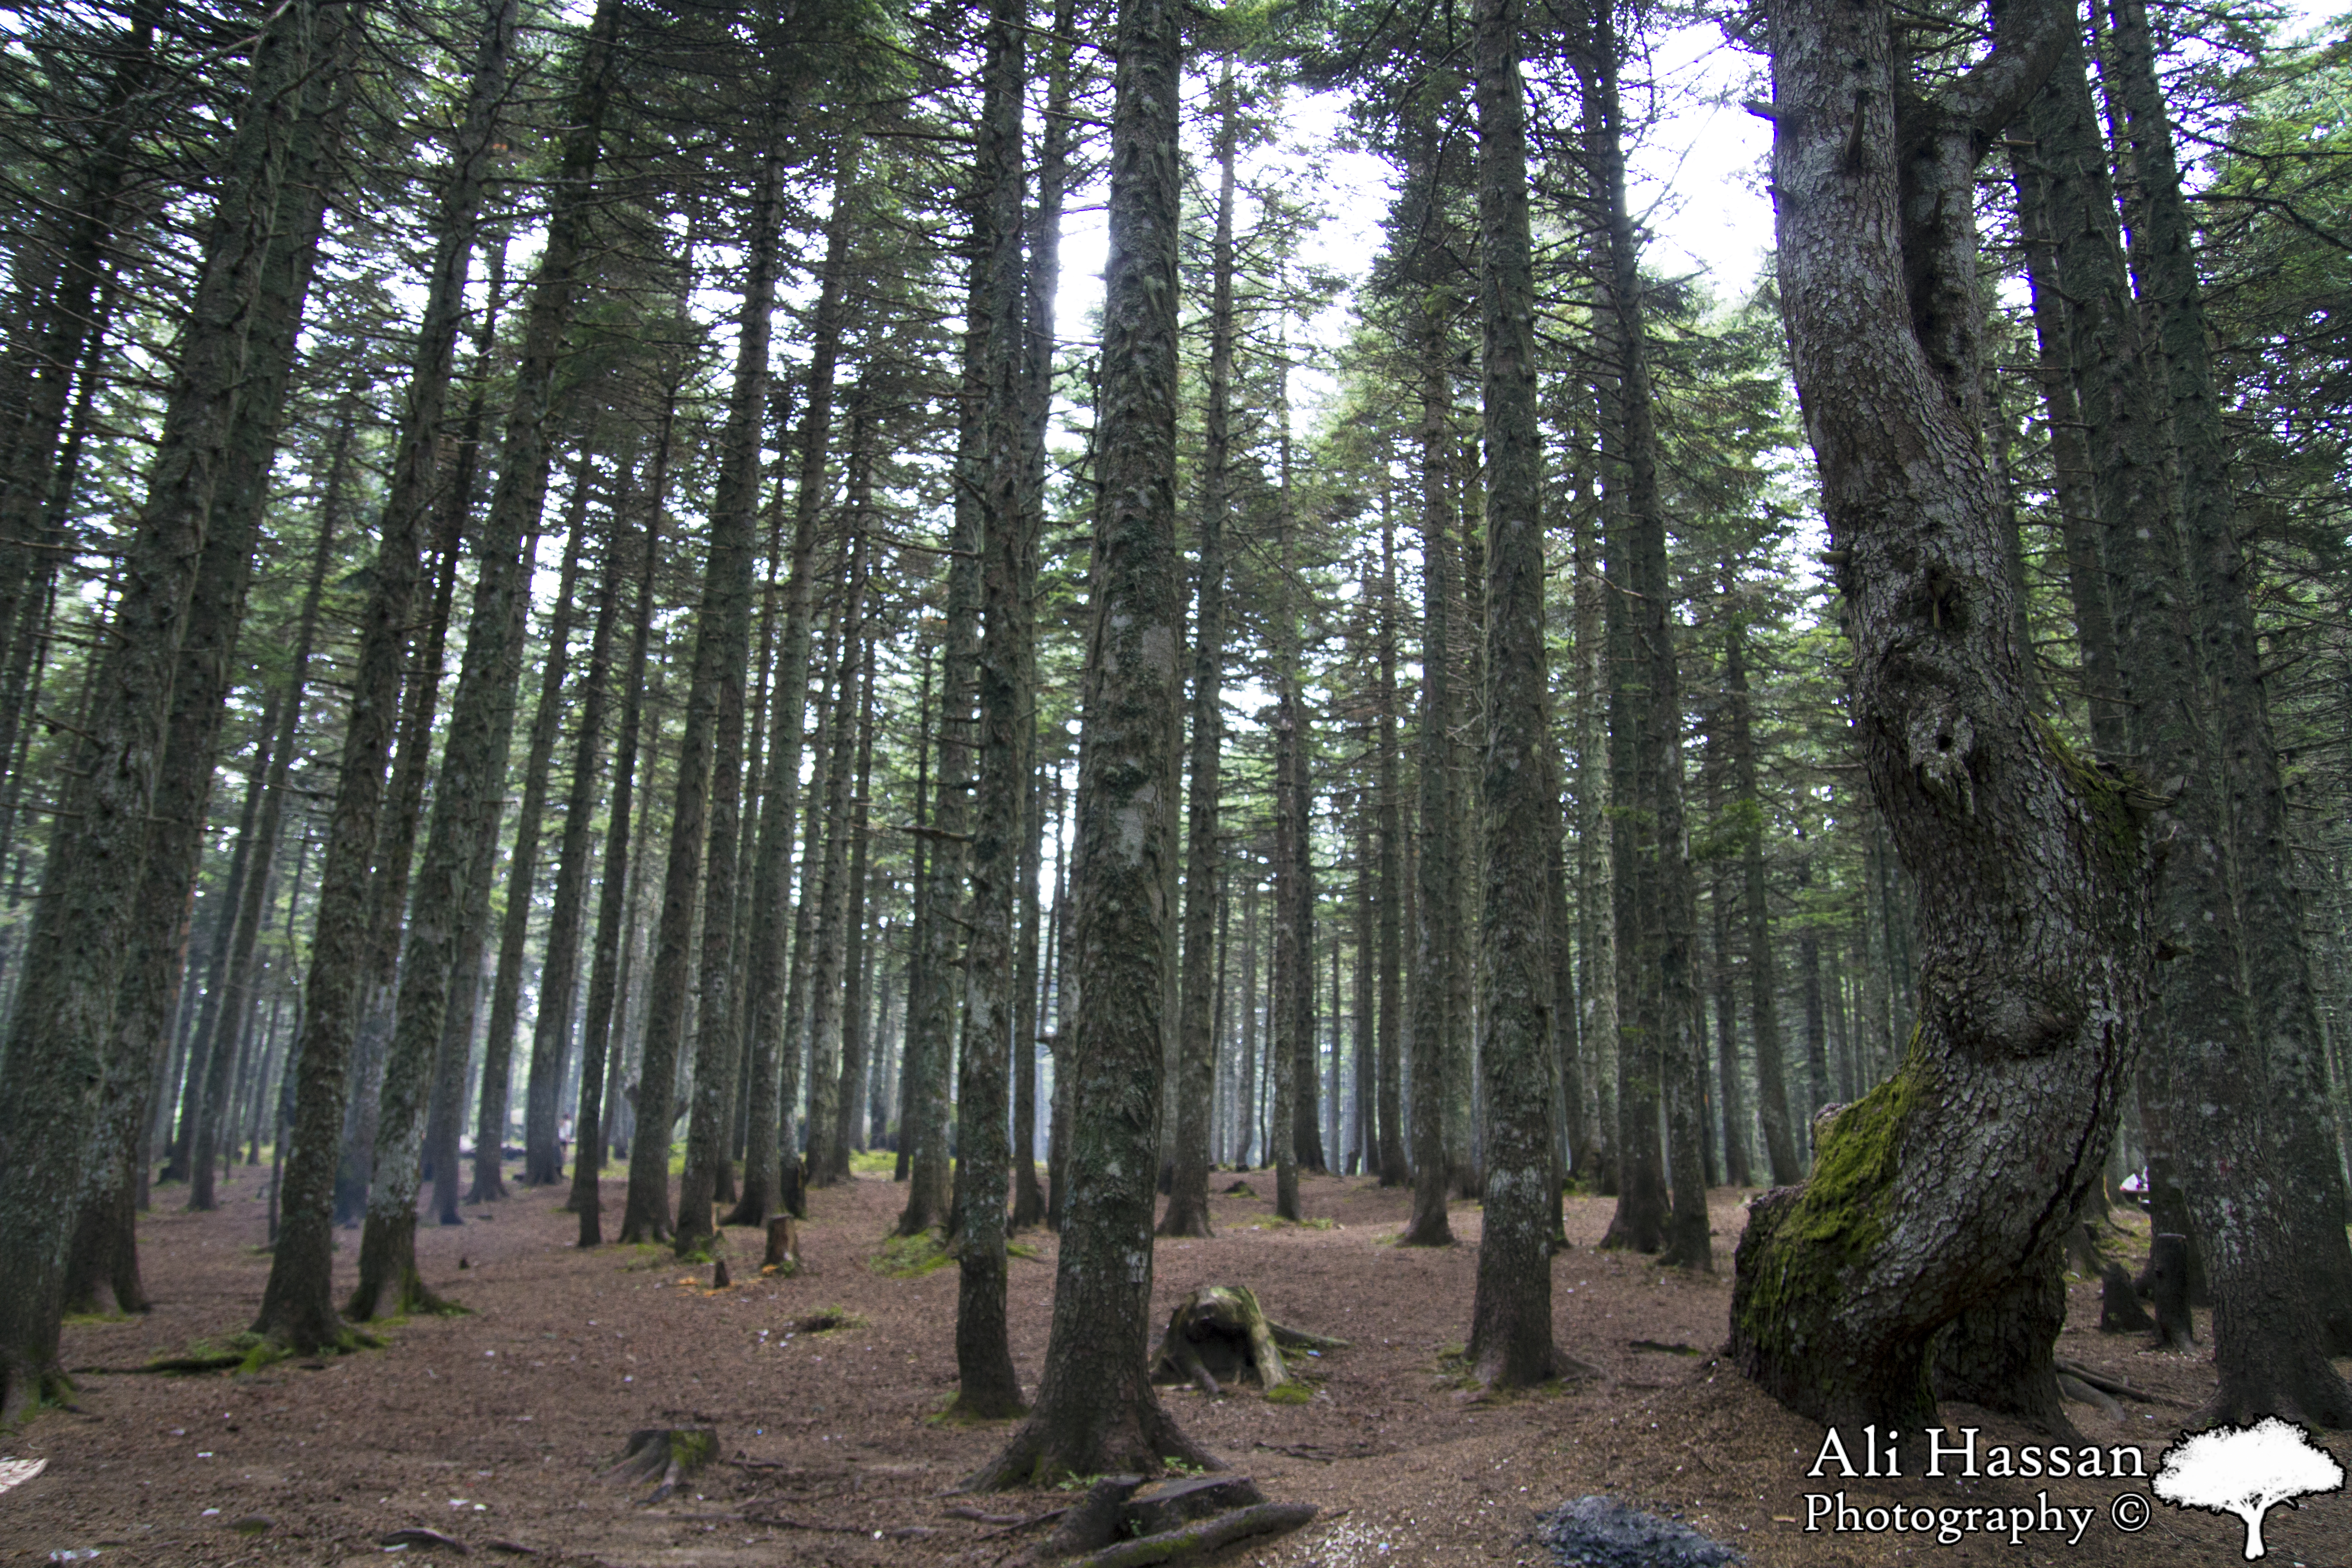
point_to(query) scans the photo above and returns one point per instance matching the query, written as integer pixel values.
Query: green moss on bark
(1802, 1243)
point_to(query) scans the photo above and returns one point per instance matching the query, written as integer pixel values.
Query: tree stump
(2167, 1282)
(784, 1243)
(665, 1456)
(2119, 1309)
(1220, 1333)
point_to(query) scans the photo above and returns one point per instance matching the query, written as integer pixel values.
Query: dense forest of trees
(566, 591)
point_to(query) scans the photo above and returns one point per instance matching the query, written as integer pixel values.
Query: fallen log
(1202, 1536)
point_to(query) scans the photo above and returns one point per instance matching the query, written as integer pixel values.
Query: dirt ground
(491, 1427)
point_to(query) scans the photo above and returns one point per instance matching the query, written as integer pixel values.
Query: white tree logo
(2245, 1470)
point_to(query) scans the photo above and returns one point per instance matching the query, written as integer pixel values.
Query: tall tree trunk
(599, 1036)
(827, 1163)
(932, 1008)
(1510, 1333)
(559, 975)
(1095, 1410)
(1763, 988)
(857, 971)
(772, 1008)
(918, 886)
(1188, 1197)
(1671, 1049)
(472, 771)
(69, 315)
(1434, 940)
(2032, 924)
(1296, 1138)
(297, 1305)
(725, 628)
(703, 808)
(1596, 925)
(105, 1251)
(395, 852)
(988, 1386)
(1390, 813)
(522, 869)
(2255, 1114)
(453, 1058)
(61, 1033)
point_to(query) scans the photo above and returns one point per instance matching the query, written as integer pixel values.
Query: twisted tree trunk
(2032, 927)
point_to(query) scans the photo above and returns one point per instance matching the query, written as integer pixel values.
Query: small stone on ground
(1602, 1533)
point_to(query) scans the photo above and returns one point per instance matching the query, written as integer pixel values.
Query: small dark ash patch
(1602, 1533)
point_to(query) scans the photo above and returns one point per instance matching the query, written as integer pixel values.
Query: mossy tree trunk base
(389, 1284)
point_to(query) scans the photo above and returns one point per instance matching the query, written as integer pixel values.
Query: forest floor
(492, 1427)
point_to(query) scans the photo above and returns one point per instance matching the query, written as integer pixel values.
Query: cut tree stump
(2119, 1309)
(665, 1456)
(2167, 1287)
(1219, 1333)
(784, 1243)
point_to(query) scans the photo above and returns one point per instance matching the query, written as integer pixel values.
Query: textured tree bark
(523, 865)
(297, 1305)
(1187, 1196)
(725, 625)
(1097, 1412)
(59, 1034)
(988, 1387)
(1510, 1333)
(599, 1041)
(2032, 927)
(472, 779)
